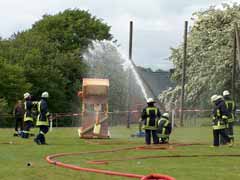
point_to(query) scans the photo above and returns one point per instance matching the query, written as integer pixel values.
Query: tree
(50, 54)
(209, 58)
(13, 83)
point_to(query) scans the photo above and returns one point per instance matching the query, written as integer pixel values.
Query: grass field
(15, 156)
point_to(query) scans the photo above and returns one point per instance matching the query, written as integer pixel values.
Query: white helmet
(150, 100)
(165, 115)
(220, 97)
(26, 95)
(45, 94)
(226, 93)
(215, 98)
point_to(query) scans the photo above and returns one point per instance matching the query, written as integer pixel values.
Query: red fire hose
(51, 160)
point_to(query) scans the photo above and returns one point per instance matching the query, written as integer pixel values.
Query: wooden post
(129, 73)
(234, 67)
(183, 72)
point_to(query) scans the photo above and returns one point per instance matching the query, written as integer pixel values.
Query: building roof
(158, 81)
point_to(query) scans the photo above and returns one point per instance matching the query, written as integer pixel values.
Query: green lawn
(15, 156)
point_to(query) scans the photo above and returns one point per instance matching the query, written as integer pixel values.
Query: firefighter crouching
(42, 119)
(219, 122)
(164, 129)
(150, 115)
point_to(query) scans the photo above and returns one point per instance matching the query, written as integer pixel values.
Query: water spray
(142, 82)
(101, 47)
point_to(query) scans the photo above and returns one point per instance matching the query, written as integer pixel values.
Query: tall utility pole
(129, 73)
(183, 72)
(237, 43)
(130, 39)
(234, 67)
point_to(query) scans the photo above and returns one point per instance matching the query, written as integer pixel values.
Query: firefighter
(19, 114)
(219, 122)
(28, 119)
(150, 115)
(164, 128)
(42, 119)
(231, 107)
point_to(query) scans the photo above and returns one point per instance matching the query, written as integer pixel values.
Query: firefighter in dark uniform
(150, 115)
(42, 119)
(219, 122)
(231, 107)
(27, 119)
(164, 128)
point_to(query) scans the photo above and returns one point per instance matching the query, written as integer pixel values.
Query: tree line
(49, 57)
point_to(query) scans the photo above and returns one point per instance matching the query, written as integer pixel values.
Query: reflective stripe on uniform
(224, 117)
(163, 133)
(27, 118)
(230, 104)
(220, 121)
(147, 125)
(164, 130)
(219, 126)
(150, 109)
(39, 121)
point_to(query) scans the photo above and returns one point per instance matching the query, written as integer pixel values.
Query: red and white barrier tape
(193, 110)
(119, 112)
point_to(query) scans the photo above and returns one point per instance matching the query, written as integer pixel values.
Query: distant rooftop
(158, 81)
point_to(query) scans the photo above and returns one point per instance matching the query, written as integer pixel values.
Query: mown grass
(17, 152)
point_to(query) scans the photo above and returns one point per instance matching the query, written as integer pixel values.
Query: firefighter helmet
(26, 95)
(45, 94)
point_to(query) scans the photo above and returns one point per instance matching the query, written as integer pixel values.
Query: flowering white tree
(209, 56)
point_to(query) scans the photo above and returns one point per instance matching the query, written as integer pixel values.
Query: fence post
(51, 125)
(173, 118)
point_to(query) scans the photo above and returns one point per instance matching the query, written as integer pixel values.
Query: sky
(157, 24)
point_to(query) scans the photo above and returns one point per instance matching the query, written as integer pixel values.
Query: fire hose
(51, 159)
